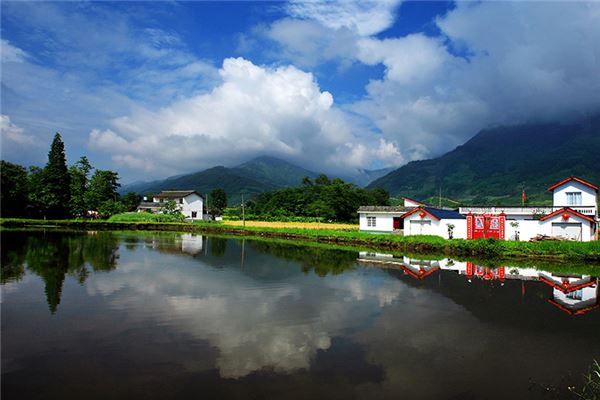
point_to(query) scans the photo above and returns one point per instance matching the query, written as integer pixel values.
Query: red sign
(486, 226)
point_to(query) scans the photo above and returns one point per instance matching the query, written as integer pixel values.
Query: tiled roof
(568, 211)
(175, 194)
(398, 209)
(444, 214)
(573, 178)
(436, 213)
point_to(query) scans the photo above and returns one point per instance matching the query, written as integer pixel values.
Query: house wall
(192, 202)
(528, 228)
(587, 227)
(384, 222)
(437, 227)
(588, 195)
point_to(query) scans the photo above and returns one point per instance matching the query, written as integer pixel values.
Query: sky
(155, 89)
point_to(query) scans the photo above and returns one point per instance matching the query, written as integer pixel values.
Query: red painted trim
(571, 312)
(414, 201)
(566, 289)
(567, 210)
(419, 209)
(417, 276)
(572, 178)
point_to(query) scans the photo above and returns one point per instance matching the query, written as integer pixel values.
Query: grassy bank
(588, 252)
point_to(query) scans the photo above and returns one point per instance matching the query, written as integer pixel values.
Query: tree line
(58, 191)
(323, 198)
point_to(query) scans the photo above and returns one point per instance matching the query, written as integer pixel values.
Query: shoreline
(562, 252)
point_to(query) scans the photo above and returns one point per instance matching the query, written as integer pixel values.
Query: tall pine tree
(57, 181)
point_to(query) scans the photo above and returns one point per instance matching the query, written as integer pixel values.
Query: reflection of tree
(217, 246)
(53, 255)
(322, 261)
(13, 257)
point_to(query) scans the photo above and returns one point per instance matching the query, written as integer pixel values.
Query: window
(573, 198)
(180, 201)
(194, 213)
(371, 221)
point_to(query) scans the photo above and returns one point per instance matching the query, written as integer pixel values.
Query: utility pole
(243, 215)
(440, 198)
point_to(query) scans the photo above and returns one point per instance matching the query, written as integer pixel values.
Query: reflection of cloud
(254, 324)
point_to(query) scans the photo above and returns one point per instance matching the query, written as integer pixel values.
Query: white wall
(437, 227)
(384, 222)
(192, 202)
(588, 195)
(528, 228)
(586, 226)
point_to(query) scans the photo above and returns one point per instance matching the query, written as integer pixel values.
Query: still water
(145, 315)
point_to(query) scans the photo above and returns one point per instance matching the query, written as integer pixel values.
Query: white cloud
(13, 133)
(10, 53)
(363, 17)
(255, 110)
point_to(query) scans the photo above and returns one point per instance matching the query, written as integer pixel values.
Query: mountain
(274, 171)
(362, 177)
(259, 175)
(496, 164)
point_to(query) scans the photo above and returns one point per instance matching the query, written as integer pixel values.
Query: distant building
(573, 215)
(189, 202)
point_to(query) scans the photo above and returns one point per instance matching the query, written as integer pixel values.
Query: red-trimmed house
(434, 221)
(574, 215)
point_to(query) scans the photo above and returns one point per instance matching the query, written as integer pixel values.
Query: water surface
(160, 315)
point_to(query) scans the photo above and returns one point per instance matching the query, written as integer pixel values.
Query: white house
(381, 218)
(434, 221)
(573, 214)
(189, 202)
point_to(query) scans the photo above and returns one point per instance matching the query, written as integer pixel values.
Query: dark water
(147, 315)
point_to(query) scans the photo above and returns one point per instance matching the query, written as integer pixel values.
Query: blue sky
(162, 88)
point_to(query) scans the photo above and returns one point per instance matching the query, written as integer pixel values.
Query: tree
(79, 184)
(56, 180)
(131, 201)
(14, 193)
(103, 187)
(109, 208)
(170, 208)
(218, 199)
(37, 193)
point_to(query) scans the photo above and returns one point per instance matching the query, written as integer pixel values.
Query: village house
(189, 202)
(573, 215)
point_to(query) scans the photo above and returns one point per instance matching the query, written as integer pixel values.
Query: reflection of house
(189, 202)
(575, 294)
(573, 215)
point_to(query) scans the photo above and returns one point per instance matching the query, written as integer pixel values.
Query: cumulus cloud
(494, 63)
(363, 17)
(13, 133)
(255, 110)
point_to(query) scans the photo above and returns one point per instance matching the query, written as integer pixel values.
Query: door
(420, 227)
(570, 230)
(398, 223)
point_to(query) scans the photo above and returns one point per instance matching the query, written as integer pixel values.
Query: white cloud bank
(280, 111)
(494, 63)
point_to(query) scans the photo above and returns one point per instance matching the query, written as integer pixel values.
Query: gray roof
(396, 209)
(175, 194)
(149, 204)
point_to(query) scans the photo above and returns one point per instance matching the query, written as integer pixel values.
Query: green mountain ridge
(259, 175)
(497, 164)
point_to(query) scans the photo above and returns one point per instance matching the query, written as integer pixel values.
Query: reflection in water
(574, 294)
(154, 315)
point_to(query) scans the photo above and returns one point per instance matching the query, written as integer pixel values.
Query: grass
(588, 252)
(143, 217)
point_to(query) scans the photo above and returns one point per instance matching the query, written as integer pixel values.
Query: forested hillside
(495, 165)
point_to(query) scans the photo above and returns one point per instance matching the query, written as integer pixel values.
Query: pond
(145, 315)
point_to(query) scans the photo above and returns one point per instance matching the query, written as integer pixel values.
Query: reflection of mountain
(575, 294)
